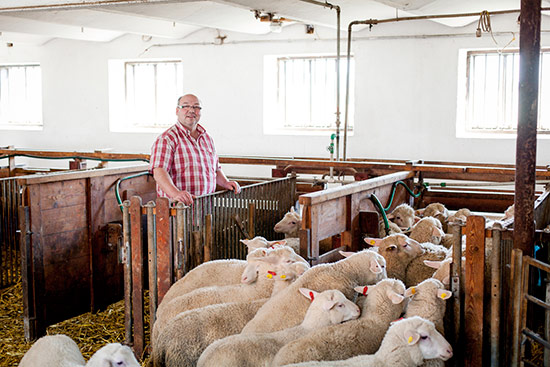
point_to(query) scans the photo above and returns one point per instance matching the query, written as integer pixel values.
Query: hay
(89, 331)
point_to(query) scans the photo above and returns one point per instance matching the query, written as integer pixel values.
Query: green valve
(426, 184)
(333, 136)
(443, 184)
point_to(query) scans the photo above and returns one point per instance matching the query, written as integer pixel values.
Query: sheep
(327, 308)
(403, 216)
(443, 270)
(249, 289)
(183, 340)
(217, 272)
(417, 270)
(460, 216)
(384, 302)
(427, 229)
(392, 228)
(407, 343)
(428, 301)
(398, 250)
(436, 210)
(285, 310)
(290, 224)
(61, 351)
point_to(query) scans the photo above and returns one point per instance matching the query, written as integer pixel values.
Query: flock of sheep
(383, 306)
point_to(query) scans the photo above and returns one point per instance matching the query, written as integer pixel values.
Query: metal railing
(179, 238)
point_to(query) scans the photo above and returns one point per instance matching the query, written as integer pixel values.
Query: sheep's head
(403, 216)
(114, 354)
(428, 229)
(290, 224)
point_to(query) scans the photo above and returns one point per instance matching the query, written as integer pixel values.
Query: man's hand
(184, 197)
(233, 186)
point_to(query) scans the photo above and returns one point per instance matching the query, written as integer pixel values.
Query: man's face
(188, 111)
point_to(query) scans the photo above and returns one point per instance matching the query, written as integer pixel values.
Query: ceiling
(38, 21)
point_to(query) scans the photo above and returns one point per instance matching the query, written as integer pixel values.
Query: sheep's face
(403, 216)
(431, 343)
(291, 222)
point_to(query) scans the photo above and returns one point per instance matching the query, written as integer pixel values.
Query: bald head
(189, 111)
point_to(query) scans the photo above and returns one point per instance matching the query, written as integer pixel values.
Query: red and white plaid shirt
(192, 164)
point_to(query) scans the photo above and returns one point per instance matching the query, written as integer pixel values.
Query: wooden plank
(64, 276)
(207, 238)
(64, 246)
(474, 290)
(64, 219)
(329, 218)
(27, 280)
(65, 176)
(137, 274)
(37, 258)
(164, 263)
(62, 194)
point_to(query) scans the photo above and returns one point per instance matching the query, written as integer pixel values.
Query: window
(142, 94)
(300, 94)
(20, 96)
(491, 92)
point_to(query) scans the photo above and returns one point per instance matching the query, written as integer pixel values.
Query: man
(183, 158)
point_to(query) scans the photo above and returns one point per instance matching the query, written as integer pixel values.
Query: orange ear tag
(373, 242)
(413, 290)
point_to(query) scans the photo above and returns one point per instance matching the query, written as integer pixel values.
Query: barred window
(302, 95)
(142, 94)
(492, 89)
(20, 96)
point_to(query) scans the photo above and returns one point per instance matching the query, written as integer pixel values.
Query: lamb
(436, 210)
(403, 216)
(398, 250)
(249, 290)
(407, 343)
(285, 310)
(428, 301)
(392, 228)
(443, 270)
(417, 270)
(290, 224)
(61, 351)
(428, 229)
(216, 272)
(384, 302)
(327, 308)
(460, 216)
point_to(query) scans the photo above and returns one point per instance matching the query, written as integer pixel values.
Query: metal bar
(136, 260)
(531, 334)
(515, 306)
(496, 291)
(537, 301)
(151, 260)
(456, 287)
(126, 253)
(536, 263)
(526, 143)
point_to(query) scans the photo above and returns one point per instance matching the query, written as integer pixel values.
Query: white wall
(406, 93)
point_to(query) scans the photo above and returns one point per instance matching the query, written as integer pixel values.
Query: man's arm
(165, 182)
(225, 183)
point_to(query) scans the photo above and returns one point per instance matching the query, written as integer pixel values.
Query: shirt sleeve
(161, 154)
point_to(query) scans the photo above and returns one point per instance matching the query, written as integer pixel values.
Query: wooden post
(496, 292)
(196, 253)
(137, 274)
(207, 237)
(164, 259)
(29, 318)
(515, 305)
(125, 258)
(11, 162)
(151, 260)
(251, 220)
(457, 283)
(474, 290)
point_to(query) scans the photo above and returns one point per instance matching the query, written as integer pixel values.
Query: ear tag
(413, 290)
(270, 274)
(311, 295)
(373, 242)
(443, 295)
(283, 276)
(365, 288)
(410, 339)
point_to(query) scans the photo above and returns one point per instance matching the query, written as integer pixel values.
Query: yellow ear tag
(283, 276)
(443, 295)
(269, 276)
(413, 290)
(372, 242)
(410, 339)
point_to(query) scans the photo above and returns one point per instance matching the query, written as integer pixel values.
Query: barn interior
(342, 109)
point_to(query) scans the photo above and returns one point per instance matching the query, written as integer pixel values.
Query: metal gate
(10, 198)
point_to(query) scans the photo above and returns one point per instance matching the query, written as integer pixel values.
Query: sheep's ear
(437, 232)
(419, 212)
(390, 216)
(245, 242)
(416, 219)
(410, 292)
(292, 209)
(364, 290)
(372, 241)
(277, 242)
(375, 266)
(346, 253)
(433, 264)
(444, 294)
(446, 280)
(308, 293)
(394, 297)
(411, 337)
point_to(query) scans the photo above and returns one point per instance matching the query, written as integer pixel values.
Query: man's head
(188, 111)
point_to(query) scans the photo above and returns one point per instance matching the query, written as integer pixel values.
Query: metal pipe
(337, 122)
(526, 142)
(78, 5)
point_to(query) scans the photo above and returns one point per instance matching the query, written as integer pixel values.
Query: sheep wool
(407, 343)
(384, 302)
(427, 229)
(417, 270)
(251, 350)
(286, 310)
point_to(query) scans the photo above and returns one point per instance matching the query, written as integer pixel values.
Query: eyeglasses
(186, 106)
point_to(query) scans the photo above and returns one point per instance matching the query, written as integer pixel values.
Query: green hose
(376, 202)
(118, 182)
(394, 187)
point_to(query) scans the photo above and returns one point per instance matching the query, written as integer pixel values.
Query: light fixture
(275, 23)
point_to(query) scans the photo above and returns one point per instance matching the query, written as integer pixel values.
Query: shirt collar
(185, 131)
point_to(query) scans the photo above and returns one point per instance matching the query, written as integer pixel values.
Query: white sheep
(436, 210)
(186, 336)
(407, 343)
(428, 300)
(443, 270)
(459, 217)
(61, 351)
(327, 308)
(216, 272)
(428, 229)
(392, 228)
(286, 310)
(253, 287)
(398, 250)
(384, 302)
(290, 224)
(417, 270)
(403, 216)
